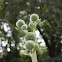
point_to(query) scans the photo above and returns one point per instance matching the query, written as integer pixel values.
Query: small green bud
(34, 17)
(19, 23)
(30, 24)
(30, 36)
(29, 45)
(24, 27)
(36, 46)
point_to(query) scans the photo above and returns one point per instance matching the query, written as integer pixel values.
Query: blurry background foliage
(51, 30)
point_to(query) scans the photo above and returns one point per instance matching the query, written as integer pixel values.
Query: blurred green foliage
(51, 30)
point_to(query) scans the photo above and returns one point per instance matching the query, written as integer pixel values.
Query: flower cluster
(31, 40)
(21, 24)
(29, 36)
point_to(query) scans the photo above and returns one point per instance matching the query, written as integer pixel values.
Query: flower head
(30, 36)
(24, 27)
(19, 23)
(34, 17)
(31, 24)
(29, 45)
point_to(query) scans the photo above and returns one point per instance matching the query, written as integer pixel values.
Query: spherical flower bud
(24, 27)
(36, 46)
(34, 17)
(30, 36)
(19, 23)
(31, 24)
(29, 45)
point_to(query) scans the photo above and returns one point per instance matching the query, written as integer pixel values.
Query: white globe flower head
(24, 27)
(29, 45)
(19, 23)
(30, 36)
(34, 17)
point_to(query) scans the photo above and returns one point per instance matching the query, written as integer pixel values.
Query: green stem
(34, 57)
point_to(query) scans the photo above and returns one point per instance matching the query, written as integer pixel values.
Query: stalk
(34, 56)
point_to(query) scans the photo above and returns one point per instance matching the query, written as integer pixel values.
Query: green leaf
(23, 31)
(17, 28)
(42, 22)
(39, 42)
(38, 21)
(32, 25)
(26, 54)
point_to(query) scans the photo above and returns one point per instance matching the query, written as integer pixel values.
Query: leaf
(25, 54)
(17, 28)
(38, 21)
(32, 25)
(42, 22)
(23, 31)
(39, 42)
